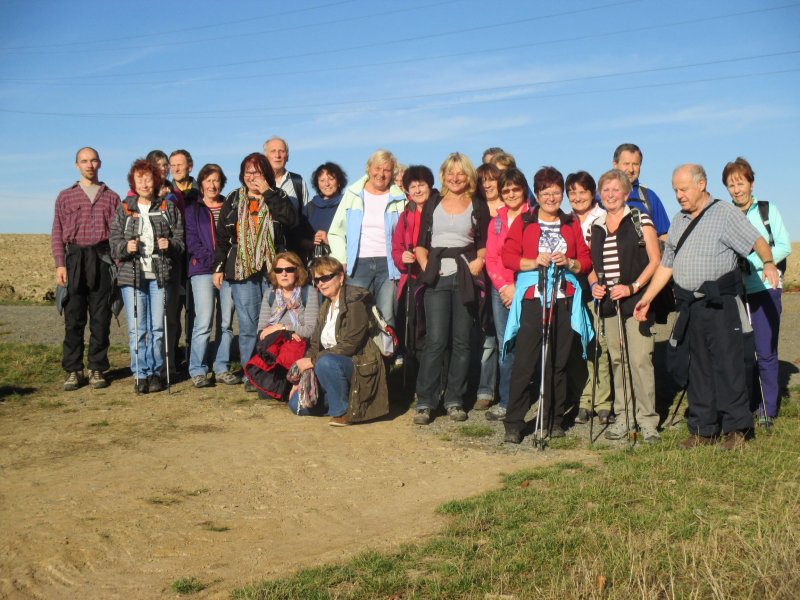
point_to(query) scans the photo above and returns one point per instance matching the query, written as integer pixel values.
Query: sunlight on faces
(456, 180)
(489, 186)
(277, 155)
(513, 195)
(549, 199)
(580, 199)
(740, 189)
(629, 163)
(329, 289)
(690, 195)
(380, 176)
(143, 184)
(88, 163)
(163, 166)
(613, 195)
(419, 192)
(327, 184)
(252, 177)
(179, 166)
(211, 186)
(286, 280)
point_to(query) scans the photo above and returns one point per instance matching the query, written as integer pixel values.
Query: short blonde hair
(290, 257)
(326, 265)
(380, 156)
(456, 159)
(504, 161)
(619, 176)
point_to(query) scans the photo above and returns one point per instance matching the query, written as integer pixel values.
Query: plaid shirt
(711, 249)
(79, 221)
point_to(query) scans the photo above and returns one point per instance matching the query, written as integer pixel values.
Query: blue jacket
(344, 234)
(656, 212)
(200, 239)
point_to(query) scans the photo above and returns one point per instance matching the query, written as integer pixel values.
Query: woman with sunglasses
(346, 362)
(249, 224)
(289, 304)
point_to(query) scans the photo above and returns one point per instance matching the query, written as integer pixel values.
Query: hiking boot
(733, 440)
(155, 383)
(228, 378)
(456, 413)
(557, 432)
(249, 387)
(423, 416)
(584, 416)
(340, 421)
(618, 431)
(200, 381)
(97, 380)
(695, 440)
(606, 418)
(512, 437)
(74, 380)
(649, 435)
(482, 403)
(496, 413)
(141, 386)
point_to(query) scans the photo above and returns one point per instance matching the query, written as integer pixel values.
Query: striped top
(611, 253)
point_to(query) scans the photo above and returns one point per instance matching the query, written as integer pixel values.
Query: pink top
(495, 238)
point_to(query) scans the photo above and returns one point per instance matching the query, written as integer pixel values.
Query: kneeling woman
(347, 364)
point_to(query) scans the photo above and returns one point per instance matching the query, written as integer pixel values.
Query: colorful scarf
(256, 248)
(281, 306)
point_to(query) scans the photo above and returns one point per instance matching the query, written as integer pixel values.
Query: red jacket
(404, 238)
(522, 241)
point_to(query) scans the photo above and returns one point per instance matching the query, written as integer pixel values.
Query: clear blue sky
(558, 83)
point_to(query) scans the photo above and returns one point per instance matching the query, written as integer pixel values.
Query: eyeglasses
(252, 174)
(324, 278)
(553, 195)
(280, 270)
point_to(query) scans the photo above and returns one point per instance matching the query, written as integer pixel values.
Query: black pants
(97, 302)
(718, 372)
(527, 351)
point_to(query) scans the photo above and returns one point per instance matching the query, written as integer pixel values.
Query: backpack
(643, 199)
(383, 336)
(130, 214)
(763, 211)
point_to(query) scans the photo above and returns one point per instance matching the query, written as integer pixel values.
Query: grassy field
(656, 522)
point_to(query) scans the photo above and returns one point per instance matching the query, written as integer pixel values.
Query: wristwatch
(636, 285)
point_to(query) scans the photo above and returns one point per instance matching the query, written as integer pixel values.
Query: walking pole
(164, 308)
(627, 357)
(601, 281)
(550, 335)
(409, 330)
(136, 321)
(767, 425)
(624, 377)
(677, 407)
(538, 440)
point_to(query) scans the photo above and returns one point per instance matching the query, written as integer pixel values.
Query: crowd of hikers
(490, 291)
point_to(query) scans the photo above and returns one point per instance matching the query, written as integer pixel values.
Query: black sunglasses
(280, 270)
(324, 278)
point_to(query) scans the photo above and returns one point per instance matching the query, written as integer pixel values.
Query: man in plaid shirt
(79, 239)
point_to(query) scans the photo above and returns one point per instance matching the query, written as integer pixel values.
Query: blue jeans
(448, 323)
(247, 297)
(373, 274)
(209, 301)
(500, 314)
(488, 380)
(333, 372)
(150, 323)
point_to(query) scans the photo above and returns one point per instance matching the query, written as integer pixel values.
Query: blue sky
(553, 83)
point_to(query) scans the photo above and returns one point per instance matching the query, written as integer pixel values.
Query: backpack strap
(644, 200)
(297, 184)
(636, 217)
(763, 211)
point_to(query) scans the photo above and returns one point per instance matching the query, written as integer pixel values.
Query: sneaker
(97, 380)
(482, 403)
(423, 416)
(649, 435)
(606, 418)
(155, 383)
(200, 381)
(228, 378)
(249, 387)
(695, 440)
(765, 421)
(141, 386)
(733, 440)
(340, 421)
(456, 413)
(512, 437)
(584, 416)
(617, 431)
(74, 380)
(496, 413)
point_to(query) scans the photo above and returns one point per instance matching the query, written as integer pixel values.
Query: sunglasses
(280, 270)
(324, 278)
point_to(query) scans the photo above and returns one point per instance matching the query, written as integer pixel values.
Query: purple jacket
(201, 239)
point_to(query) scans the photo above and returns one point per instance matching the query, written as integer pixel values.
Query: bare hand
(320, 237)
(409, 258)
(598, 291)
(259, 185)
(271, 329)
(304, 364)
(507, 294)
(61, 276)
(620, 291)
(163, 243)
(544, 259)
(476, 266)
(770, 273)
(559, 258)
(640, 311)
(216, 279)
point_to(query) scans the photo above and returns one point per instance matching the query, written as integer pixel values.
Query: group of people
(488, 270)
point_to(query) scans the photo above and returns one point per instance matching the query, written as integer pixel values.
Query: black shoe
(156, 385)
(584, 416)
(513, 437)
(557, 432)
(606, 418)
(141, 386)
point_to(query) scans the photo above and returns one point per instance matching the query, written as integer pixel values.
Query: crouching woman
(348, 367)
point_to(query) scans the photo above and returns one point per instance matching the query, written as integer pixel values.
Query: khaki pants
(639, 356)
(581, 372)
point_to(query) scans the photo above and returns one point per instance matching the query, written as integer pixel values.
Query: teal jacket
(344, 235)
(783, 246)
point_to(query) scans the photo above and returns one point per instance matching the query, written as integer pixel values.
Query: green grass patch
(188, 585)
(475, 431)
(658, 522)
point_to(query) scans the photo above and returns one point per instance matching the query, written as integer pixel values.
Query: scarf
(283, 306)
(256, 248)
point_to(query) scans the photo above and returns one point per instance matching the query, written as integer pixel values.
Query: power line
(485, 51)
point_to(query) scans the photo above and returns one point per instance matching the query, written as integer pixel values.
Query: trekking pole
(551, 334)
(164, 308)
(538, 440)
(136, 321)
(624, 377)
(408, 328)
(677, 407)
(767, 425)
(635, 431)
(601, 281)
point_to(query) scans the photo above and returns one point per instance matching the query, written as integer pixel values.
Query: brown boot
(734, 440)
(695, 440)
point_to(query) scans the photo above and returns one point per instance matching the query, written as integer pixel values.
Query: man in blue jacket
(628, 159)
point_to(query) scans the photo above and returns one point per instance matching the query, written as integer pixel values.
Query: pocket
(365, 368)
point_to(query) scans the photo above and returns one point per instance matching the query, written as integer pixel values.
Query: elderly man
(708, 342)
(628, 159)
(277, 152)
(180, 166)
(79, 241)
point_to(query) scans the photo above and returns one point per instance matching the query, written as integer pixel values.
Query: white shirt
(373, 229)
(328, 336)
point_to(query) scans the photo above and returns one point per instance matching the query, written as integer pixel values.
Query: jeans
(209, 301)
(333, 372)
(448, 324)
(487, 344)
(373, 274)
(247, 297)
(150, 323)
(765, 314)
(500, 314)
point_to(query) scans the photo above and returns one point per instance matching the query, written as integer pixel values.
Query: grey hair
(280, 139)
(697, 172)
